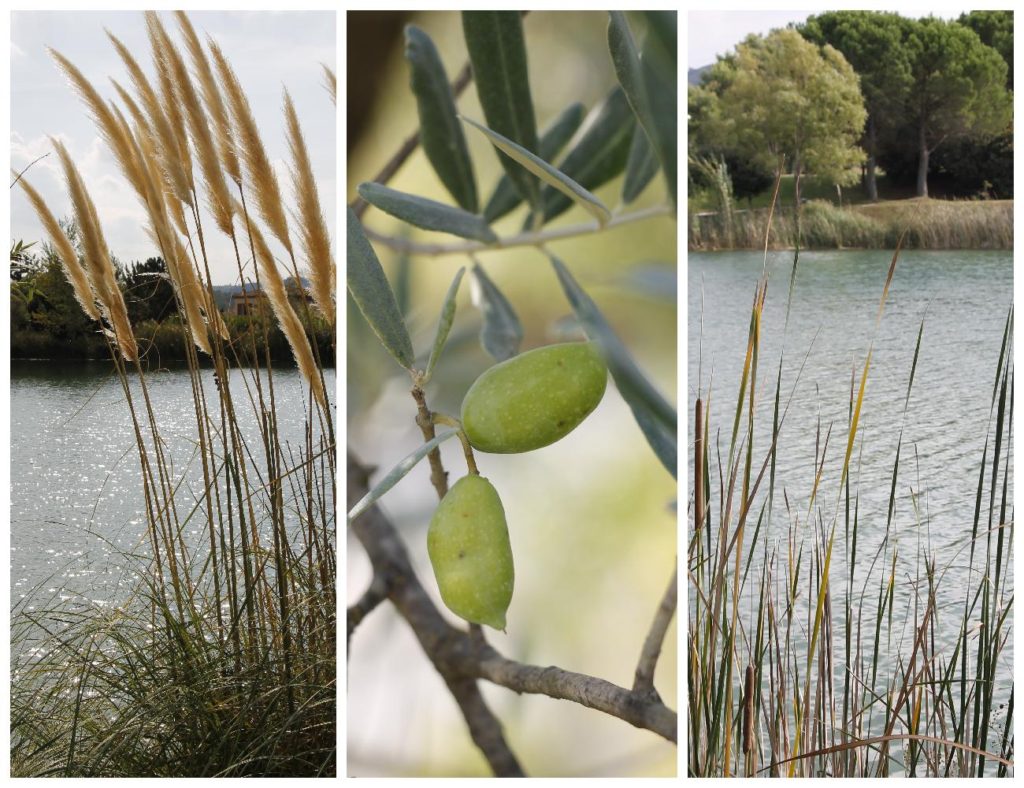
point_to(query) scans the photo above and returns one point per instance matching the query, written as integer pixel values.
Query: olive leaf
(656, 417)
(427, 214)
(497, 53)
(372, 293)
(397, 473)
(444, 324)
(440, 131)
(641, 166)
(547, 173)
(555, 137)
(649, 79)
(599, 155)
(502, 332)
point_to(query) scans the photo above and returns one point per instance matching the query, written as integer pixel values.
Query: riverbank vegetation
(870, 106)
(812, 656)
(220, 661)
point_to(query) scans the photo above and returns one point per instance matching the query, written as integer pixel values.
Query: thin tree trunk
(922, 164)
(869, 177)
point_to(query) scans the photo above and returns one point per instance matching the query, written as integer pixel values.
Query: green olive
(534, 399)
(471, 554)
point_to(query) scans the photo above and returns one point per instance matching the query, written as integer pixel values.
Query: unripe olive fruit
(470, 552)
(534, 399)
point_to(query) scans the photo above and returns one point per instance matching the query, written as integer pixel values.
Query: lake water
(76, 494)
(962, 299)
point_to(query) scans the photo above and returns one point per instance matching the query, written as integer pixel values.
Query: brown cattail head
(73, 269)
(748, 710)
(316, 242)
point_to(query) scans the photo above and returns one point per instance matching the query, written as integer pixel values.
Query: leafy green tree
(958, 89)
(995, 29)
(149, 294)
(871, 42)
(792, 101)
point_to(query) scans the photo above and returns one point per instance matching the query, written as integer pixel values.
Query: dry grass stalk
(72, 267)
(212, 98)
(313, 235)
(165, 76)
(277, 295)
(261, 178)
(98, 266)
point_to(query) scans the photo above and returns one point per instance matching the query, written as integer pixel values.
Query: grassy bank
(929, 224)
(793, 626)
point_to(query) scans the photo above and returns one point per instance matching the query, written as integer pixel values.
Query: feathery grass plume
(160, 44)
(133, 108)
(105, 118)
(212, 98)
(316, 242)
(174, 171)
(179, 268)
(72, 267)
(97, 257)
(331, 83)
(216, 187)
(262, 181)
(277, 295)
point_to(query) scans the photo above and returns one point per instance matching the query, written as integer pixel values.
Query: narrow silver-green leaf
(497, 53)
(396, 474)
(599, 155)
(555, 137)
(547, 173)
(372, 293)
(440, 131)
(655, 416)
(428, 214)
(444, 324)
(649, 79)
(502, 332)
(641, 166)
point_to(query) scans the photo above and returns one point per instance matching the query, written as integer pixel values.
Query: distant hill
(694, 75)
(222, 293)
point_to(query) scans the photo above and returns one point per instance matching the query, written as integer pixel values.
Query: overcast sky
(713, 33)
(269, 50)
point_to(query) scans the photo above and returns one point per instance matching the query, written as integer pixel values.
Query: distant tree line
(927, 100)
(48, 323)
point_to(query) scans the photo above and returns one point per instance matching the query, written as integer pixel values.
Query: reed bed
(221, 660)
(927, 224)
(793, 626)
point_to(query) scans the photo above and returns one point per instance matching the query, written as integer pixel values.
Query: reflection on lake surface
(76, 493)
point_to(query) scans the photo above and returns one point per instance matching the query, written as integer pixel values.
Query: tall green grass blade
(372, 293)
(440, 131)
(427, 214)
(550, 175)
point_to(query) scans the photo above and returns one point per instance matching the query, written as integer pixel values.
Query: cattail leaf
(502, 332)
(497, 53)
(641, 166)
(440, 131)
(371, 291)
(396, 474)
(555, 137)
(600, 154)
(428, 214)
(649, 79)
(656, 417)
(547, 173)
(444, 324)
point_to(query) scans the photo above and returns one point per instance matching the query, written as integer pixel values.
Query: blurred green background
(591, 520)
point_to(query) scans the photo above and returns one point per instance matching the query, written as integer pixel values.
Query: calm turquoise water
(962, 298)
(76, 496)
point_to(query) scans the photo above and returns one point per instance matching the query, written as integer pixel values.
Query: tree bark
(922, 164)
(870, 183)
